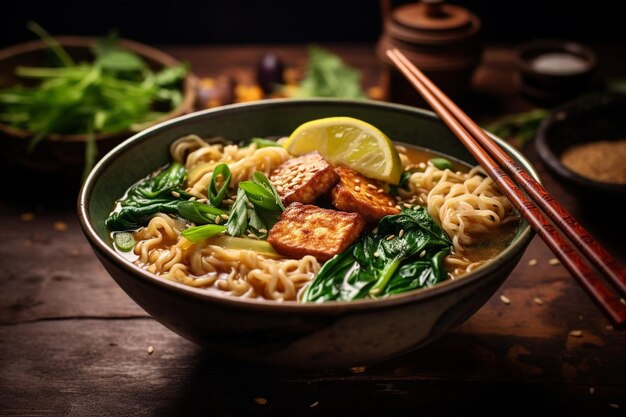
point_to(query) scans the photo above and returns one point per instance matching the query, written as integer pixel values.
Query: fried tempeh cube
(356, 193)
(303, 179)
(310, 230)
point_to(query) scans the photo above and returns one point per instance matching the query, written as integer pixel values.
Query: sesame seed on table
(72, 342)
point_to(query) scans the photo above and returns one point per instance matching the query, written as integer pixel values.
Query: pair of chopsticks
(531, 201)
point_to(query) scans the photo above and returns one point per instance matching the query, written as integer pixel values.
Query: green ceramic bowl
(338, 334)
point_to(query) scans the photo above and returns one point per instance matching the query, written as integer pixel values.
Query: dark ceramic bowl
(591, 118)
(338, 334)
(553, 70)
(62, 156)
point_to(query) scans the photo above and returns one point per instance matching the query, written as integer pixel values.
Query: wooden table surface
(72, 343)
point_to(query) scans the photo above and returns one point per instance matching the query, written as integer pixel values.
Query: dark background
(283, 21)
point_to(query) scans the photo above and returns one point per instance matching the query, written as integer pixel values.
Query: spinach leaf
(405, 253)
(148, 197)
(132, 217)
(159, 186)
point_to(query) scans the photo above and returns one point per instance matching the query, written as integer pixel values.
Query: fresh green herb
(441, 163)
(114, 93)
(257, 206)
(198, 233)
(328, 76)
(216, 196)
(264, 143)
(520, 126)
(124, 241)
(198, 213)
(404, 254)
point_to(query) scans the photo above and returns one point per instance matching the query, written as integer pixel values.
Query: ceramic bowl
(553, 70)
(338, 334)
(63, 155)
(596, 117)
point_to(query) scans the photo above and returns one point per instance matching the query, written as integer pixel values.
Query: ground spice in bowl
(599, 161)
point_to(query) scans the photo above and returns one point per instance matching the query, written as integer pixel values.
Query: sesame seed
(609, 327)
(380, 191)
(592, 390)
(150, 350)
(358, 369)
(576, 333)
(422, 165)
(554, 261)
(260, 401)
(532, 262)
(224, 216)
(538, 301)
(621, 300)
(401, 233)
(202, 200)
(371, 186)
(262, 231)
(407, 205)
(253, 236)
(313, 405)
(376, 254)
(399, 207)
(423, 253)
(218, 219)
(613, 405)
(368, 195)
(176, 194)
(506, 300)
(27, 217)
(60, 226)
(357, 181)
(192, 198)
(357, 188)
(389, 203)
(390, 237)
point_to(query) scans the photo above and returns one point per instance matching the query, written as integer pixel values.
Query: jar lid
(432, 21)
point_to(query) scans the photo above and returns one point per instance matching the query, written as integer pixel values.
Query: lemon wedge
(348, 142)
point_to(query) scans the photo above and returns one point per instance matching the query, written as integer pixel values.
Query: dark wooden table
(72, 343)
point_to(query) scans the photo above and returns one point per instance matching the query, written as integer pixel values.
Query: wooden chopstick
(462, 125)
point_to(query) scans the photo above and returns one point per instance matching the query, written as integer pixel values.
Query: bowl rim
(188, 89)
(524, 234)
(552, 160)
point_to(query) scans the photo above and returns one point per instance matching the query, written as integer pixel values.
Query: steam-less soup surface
(255, 221)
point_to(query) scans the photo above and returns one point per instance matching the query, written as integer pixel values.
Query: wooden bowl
(62, 156)
(597, 117)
